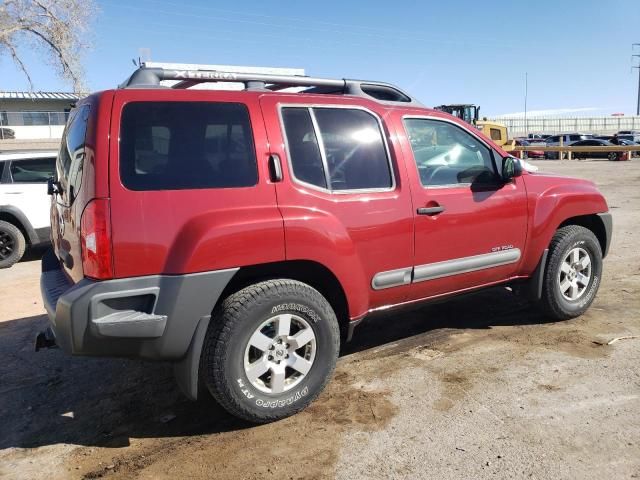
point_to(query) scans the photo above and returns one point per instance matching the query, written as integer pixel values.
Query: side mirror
(511, 168)
(53, 186)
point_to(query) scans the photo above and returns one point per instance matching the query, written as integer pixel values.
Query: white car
(24, 203)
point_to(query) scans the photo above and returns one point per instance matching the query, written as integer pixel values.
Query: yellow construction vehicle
(470, 113)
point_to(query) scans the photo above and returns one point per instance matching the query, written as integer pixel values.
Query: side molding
(431, 271)
(457, 266)
(392, 278)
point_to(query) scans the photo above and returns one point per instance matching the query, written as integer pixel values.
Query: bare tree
(56, 28)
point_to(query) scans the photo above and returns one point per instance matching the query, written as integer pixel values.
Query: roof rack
(145, 77)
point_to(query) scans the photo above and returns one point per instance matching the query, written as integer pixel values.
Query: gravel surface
(477, 387)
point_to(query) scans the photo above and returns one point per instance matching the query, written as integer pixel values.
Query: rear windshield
(186, 145)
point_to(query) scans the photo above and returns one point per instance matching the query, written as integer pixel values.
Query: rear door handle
(275, 168)
(430, 210)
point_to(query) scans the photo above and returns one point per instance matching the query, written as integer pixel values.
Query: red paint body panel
(354, 235)
(186, 231)
(95, 175)
(473, 223)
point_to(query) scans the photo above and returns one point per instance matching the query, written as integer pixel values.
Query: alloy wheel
(575, 274)
(280, 353)
(7, 245)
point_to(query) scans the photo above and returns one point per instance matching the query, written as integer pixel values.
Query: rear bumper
(152, 317)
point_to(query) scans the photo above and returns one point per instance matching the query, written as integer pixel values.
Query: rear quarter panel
(193, 230)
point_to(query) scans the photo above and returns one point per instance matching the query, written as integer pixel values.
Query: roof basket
(145, 77)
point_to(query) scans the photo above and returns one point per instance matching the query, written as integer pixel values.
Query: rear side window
(186, 145)
(339, 149)
(72, 153)
(35, 170)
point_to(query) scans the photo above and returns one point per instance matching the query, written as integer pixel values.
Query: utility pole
(526, 91)
(638, 67)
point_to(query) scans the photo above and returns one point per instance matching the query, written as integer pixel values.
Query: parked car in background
(537, 136)
(24, 203)
(595, 142)
(633, 135)
(567, 139)
(7, 133)
(520, 142)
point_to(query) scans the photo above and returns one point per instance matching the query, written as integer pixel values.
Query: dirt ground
(478, 387)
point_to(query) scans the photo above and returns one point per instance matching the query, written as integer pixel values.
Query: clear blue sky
(577, 52)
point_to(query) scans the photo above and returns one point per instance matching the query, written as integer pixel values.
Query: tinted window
(186, 145)
(303, 147)
(354, 149)
(72, 153)
(351, 142)
(445, 154)
(36, 170)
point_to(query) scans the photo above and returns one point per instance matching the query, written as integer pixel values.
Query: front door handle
(430, 210)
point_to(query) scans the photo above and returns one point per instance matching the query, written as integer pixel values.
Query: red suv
(243, 234)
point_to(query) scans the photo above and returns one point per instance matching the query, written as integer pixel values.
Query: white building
(34, 115)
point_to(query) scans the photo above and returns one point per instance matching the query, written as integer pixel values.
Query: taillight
(95, 235)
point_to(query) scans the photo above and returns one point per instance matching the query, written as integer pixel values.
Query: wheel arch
(187, 370)
(310, 272)
(16, 217)
(594, 223)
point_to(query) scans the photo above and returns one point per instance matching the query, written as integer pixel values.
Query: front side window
(445, 154)
(339, 149)
(186, 145)
(36, 170)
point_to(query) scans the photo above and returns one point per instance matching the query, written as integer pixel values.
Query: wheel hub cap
(575, 274)
(280, 353)
(6, 245)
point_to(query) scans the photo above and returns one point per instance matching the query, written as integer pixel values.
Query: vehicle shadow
(50, 398)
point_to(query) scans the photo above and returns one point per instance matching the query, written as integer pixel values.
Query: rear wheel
(613, 156)
(12, 244)
(573, 272)
(270, 350)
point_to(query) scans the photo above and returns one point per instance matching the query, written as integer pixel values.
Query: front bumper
(152, 317)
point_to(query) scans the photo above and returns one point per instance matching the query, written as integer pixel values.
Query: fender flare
(32, 236)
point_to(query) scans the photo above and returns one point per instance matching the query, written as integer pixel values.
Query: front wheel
(270, 350)
(573, 273)
(613, 156)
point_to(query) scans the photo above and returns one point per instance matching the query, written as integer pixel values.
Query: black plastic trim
(607, 222)
(153, 317)
(536, 281)
(32, 236)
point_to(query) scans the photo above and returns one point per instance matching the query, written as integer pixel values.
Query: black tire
(613, 156)
(227, 343)
(12, 244)
(553, 301)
